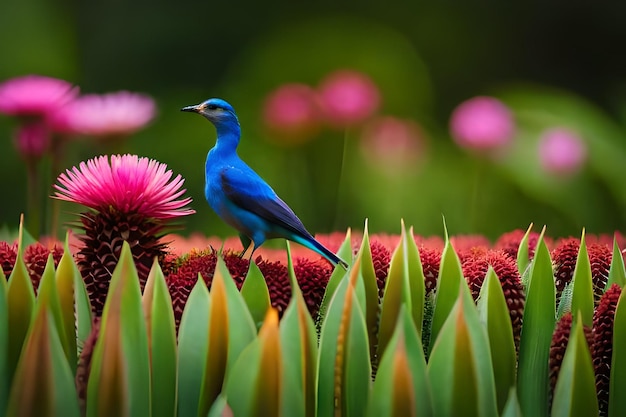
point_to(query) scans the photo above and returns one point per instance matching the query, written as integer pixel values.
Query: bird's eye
(212, 107)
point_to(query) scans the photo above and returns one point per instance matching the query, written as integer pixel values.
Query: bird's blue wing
(247, 190)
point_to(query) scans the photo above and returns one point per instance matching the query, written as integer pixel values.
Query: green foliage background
(553, 64)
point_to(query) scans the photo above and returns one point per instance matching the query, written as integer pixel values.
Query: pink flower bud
(292, 111)
(482, 123)
(348, 97)
(561, 151)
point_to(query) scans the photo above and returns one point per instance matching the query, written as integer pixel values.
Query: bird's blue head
(217, 111)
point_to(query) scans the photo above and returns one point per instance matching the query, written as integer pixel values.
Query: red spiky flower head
(130, 198)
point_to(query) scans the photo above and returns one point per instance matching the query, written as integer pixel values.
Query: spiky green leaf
(119, 382)
(193, 341)
(255, 294)
(494, 313)
(299, 350)
(401, 387)
(523, 256)
(460, 365)
(582, 290)
(43, 383)
(65, 281)
(536, 335)
(448, 282)
(157, 305)
(345, 253)
(344, 360)
(617, 274)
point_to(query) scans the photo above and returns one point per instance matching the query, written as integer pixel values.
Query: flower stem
(341, 181)
(33, 212)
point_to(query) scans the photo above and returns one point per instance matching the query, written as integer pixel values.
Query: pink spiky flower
(131, 199)
(107, 115)
(34, 95)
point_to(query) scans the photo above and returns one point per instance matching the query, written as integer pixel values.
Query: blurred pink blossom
(482, 123)
(32, 140)
(34, 95)
(392, 143)
(348, 97)
(561, 151)
(107, 115)
(293, 111)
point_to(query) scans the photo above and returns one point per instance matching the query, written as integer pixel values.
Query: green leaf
(21, 302)
(401, 387)
(582, 291)
(48, 296)
(416, 281)
(43, 383)
(299, 350)
(448, 283)
(218, 340)
(255, 386)
(119, 382)
(512, 408)
(617, 274)
(241, 328)
(193, 341)
(344, 360)
(536, 336)
(575, 391)
(65, 281)
(494, 313)
(157, 305)
(220, 407)
(345, 253)
(255, 293)
(460, 365)
(617, 399)
(523, 256)
(84, 317)
(397, 293)
(5, 382)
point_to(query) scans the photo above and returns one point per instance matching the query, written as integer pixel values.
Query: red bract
(509, 242)
(431, 258)
(312, 277)
(475, 269)
(36, 258)
(603, 320)
(564, 258)
(560, 339)
(8, 256)
(380, 258)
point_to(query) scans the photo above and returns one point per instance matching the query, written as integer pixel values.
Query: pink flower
(561, 151)
(128, 184)
(34, 95)
(482, 123)
(348, 97)
(113, 114)
(293, 110)
(392, 143)
(32, 140)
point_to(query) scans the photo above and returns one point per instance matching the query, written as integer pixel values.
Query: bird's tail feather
(315, 246)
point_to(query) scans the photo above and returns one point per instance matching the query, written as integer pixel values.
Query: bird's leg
(245, 242)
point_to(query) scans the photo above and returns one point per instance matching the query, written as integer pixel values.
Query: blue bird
(240, 196)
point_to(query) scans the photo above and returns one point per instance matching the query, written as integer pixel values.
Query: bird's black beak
(192, 109)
